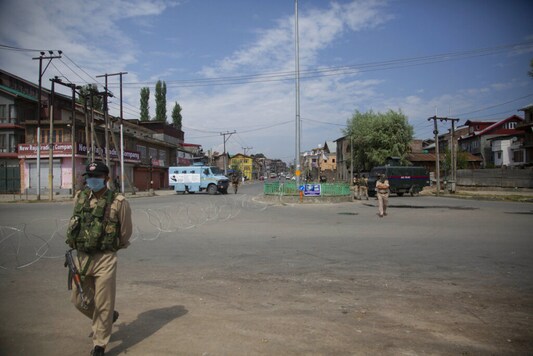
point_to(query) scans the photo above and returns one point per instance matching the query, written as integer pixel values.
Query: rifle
(74, 274)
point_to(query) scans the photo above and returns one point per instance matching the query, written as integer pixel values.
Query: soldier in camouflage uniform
(100, 226)
(363, 187)
(356, 183)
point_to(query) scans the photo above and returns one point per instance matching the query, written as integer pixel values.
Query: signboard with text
(311, 190)
(64, 149)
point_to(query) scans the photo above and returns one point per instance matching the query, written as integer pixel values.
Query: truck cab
(198, 178)
(402, 179)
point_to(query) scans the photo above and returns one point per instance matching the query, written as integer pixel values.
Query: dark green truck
(402, 179)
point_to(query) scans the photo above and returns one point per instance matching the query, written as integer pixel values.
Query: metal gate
(9, 177)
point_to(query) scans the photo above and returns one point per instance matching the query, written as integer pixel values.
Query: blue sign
(312, 190)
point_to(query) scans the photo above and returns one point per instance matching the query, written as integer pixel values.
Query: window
(163, 155)
(3, 112)
(152, 152)
(509, 125)
(142, 151)
(3, 143)
(499, 155)
(57, 136)
(12, 111)
(333, 160)
(518, 156)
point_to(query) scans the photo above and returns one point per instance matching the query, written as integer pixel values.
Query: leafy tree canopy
(145, 106)
(376, 136)
(160, 101)
(85, 96)
(461, 160)
(176, 116)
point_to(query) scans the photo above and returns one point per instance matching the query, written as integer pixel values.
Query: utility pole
(297, 71)
(227, 133)
(39, 94)
(86, 117)
(106, 115)
(73, 128)
(51, 144)
(351, 160)
(453, 151)
(246, 148)
(437, 155)
(106, 121)
(121, 152)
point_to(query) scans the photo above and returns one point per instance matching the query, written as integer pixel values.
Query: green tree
(85, 95)
(376, 136)
(176, 116)
(462, 160)
(160, 101)
(145, 106)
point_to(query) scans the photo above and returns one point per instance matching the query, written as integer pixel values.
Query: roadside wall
(497, 177)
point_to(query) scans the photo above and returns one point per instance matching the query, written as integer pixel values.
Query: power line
(496, 105)
(94, 80)
(73, 71)
(324, 122)
(341, 70)
(19, 49)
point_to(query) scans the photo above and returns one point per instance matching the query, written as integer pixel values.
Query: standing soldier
(356, 183)
(382, 188)
(363, 187)
(100, 226)
(235, 180)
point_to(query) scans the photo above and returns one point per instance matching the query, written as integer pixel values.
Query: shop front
(66, 172)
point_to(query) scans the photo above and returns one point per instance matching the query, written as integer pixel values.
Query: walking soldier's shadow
(146, 324)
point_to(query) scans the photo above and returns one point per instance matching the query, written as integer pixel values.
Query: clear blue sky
(230, 63)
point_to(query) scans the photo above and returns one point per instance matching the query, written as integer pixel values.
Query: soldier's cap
(96, 169)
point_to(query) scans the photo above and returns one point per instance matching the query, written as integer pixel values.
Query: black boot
(98, 351)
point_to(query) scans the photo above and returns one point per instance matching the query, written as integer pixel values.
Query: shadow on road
(146, 324)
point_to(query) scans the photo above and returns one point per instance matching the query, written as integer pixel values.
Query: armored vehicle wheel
(212, 189)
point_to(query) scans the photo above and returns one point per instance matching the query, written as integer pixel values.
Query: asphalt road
(232, 275)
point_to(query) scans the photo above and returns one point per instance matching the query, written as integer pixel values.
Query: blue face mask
(95, 184)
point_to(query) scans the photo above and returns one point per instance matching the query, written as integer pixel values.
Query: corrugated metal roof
(17, 93)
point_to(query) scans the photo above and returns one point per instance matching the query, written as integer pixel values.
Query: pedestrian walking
(235, 180)
(363, 187)
(382, 188)
(100, 226)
